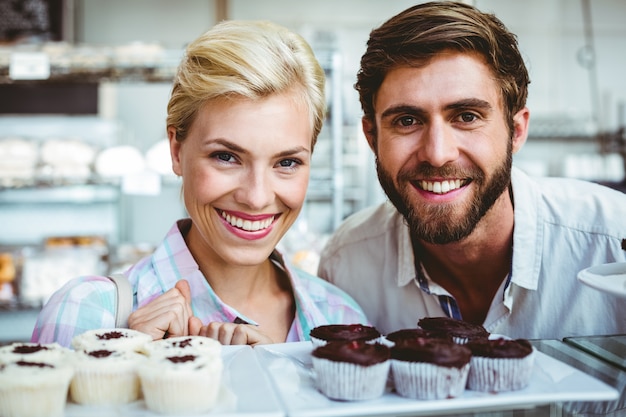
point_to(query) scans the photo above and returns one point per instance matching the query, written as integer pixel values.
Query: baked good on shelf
(343, 332)
(351, 370)
(118, 161)
(7, 268)
(461, 331)
(112, 339)
(415, 333)
(181, 384)
(429, 369)
(182, 345)
(105, 377)
(500, 364)
(66, 158)
(34, 389)
(18, 161)
(34, 352)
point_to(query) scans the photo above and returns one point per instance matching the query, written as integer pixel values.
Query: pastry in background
(158, 158)
(118, 161)
(66, 159)
(18, 161)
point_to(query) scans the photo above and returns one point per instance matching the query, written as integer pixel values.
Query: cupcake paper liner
(99, 386)
(183, 393)
(42, 396)
(426, 381)
(500, 374)
(348, 381)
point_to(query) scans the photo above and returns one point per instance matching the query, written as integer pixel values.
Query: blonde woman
(246, 108)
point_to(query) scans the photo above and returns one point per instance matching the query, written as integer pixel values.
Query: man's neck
(472, 269)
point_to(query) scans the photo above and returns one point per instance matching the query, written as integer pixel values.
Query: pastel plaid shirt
(88, 302)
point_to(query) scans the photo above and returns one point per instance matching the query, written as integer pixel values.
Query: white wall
(550, 33)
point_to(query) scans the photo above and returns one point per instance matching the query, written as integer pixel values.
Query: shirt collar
(528, 234)
(406, 258)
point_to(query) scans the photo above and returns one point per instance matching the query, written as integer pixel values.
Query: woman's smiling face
(245, 166)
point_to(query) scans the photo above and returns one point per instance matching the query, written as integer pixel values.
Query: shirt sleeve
(319, 302)
(82, 304)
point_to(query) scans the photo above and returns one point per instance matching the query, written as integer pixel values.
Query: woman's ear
(175, 151)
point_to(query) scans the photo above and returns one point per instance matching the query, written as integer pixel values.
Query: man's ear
(521, 121)
(175, 147)
(369, 130)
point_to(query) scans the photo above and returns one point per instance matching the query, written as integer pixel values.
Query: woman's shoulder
(323, 292)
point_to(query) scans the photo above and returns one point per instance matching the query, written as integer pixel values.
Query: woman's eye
(224, 156)
(288, 163)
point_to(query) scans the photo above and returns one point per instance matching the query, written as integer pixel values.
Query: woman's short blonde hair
(249, 59)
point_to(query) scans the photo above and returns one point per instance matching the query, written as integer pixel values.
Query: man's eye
(468, 117)
(406, 120)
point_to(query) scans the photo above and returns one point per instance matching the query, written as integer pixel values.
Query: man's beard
(436, 224)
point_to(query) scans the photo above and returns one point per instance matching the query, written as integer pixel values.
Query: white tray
(609, 278)
(290, 368)
(246, 391)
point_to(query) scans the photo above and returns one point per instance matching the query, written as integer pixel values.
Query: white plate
(290, 367)
(609, 278)
(246, 391)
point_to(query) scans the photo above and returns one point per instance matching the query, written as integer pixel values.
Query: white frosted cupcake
(105, 377)
(500, 365)
(351, 371)
(184, 384)
(182, 345)
(429, 369)
(34, 389)
(33, 352)
(113, 339)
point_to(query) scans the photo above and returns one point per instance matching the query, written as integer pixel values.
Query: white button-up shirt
(561, 227)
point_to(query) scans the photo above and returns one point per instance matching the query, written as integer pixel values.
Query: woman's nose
(255, 190)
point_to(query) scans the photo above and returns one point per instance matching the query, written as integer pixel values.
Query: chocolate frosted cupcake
(351, 371)
(412, 334)
(500, 364)
(429, 369)
(343, 332)
(460, 331)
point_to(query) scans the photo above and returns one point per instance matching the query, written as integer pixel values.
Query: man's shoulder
(569, 201)
(368, 223)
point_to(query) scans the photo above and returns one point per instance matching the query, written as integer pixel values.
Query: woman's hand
(234, 334)
(167, 315)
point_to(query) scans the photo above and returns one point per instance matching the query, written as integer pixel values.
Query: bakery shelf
(78, 194)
